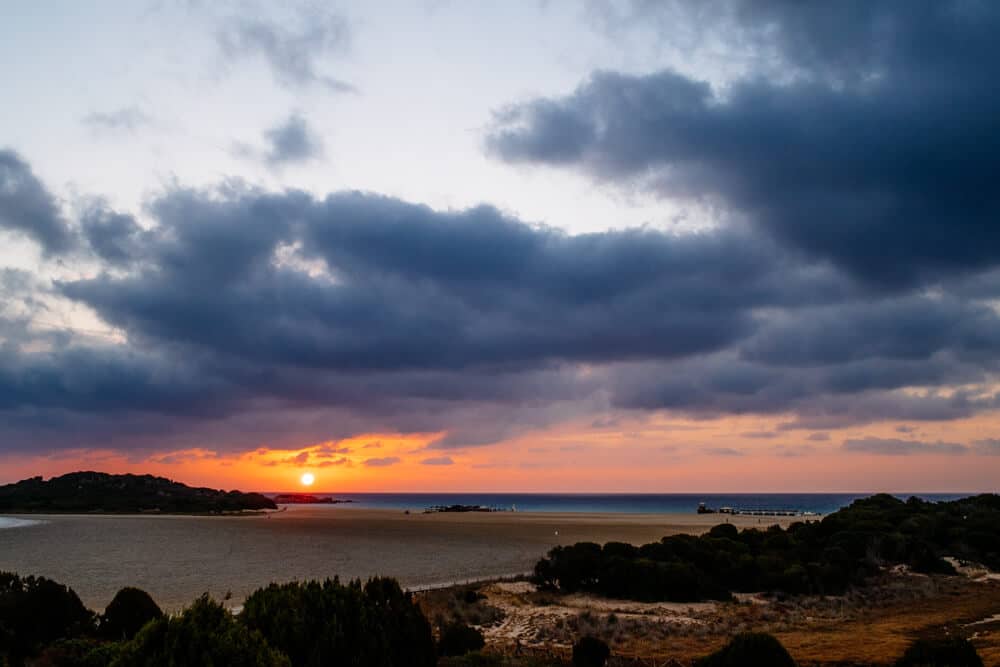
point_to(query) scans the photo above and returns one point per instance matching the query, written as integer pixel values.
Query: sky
(621, 246)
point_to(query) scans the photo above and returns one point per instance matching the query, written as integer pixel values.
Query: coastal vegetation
(817, 586)
(103, 492)
(299, 624)
(43, 623)
(590, 652)
(458, 639)
(321, 623)
(819, 557)
(127, 613)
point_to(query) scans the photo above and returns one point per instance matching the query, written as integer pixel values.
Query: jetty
(753, 511)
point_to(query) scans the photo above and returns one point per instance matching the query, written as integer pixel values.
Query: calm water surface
(176, 558)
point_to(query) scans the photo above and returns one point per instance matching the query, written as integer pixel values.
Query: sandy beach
(176, 558)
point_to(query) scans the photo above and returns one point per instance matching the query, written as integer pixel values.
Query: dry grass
(461, 604)
(872, 626)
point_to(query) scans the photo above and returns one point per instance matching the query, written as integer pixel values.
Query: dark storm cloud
(114, 237)
(28, 208)
(910, 328)
(293, 53)
(878, 156)
(292, 141)
(896, 447)
(410, 288)
(821, 397)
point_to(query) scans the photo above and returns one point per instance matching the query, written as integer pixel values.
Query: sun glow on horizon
(307, 479)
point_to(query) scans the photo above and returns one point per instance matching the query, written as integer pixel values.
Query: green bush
(954, 652)
(590, 652)
(84, 652)
(751, 649)
(321, 623)
(204, 634)
(820, 557)
(125, 615)
(35, 612)
(459, 639)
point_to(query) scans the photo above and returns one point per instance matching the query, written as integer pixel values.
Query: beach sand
(176, 558)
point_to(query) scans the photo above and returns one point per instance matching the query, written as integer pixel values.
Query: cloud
(126, 119)
(438, 461)
(342, 461)
(293, 53)
(897, 447)
(872, 152)
(292, 142)
(330, 451)
(988, 447)
(818, 437)
(354, 313)
(382, 462)
(485, 290)
(115, 237)
(28, 208)
(793, 452)
(722, 451)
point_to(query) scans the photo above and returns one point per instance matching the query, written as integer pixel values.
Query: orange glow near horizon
(656, 454)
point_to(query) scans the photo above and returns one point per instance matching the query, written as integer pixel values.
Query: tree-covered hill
(824, 557)
(103, 492)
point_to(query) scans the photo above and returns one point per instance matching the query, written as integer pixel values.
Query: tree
(590, 652)
(749, 649)
(204, 634)
(321, 623)
(459, 639)
(125, 615)
(952, 652)
(34, 612)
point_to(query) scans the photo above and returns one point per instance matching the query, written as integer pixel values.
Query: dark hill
(825, 557)
(102, 492)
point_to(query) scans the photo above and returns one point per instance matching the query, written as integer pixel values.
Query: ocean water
(177, 558)
(11, 522)
(653, 503)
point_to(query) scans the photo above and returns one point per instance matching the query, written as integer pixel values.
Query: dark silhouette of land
(307, 499)
(102, 492)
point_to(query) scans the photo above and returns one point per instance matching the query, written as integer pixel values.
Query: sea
(177, 558)
(624, 503)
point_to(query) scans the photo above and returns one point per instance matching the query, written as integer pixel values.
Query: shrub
(34, 612)
(125, 615)
(321, 623)
(726, 530)
(751, 649)
(819, 557)
(590, 652)
(205, 633)
(459, 639)
(78, 653)
(954, 652)
(475, 659)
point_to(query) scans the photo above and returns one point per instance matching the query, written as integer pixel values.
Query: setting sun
(307, 479)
